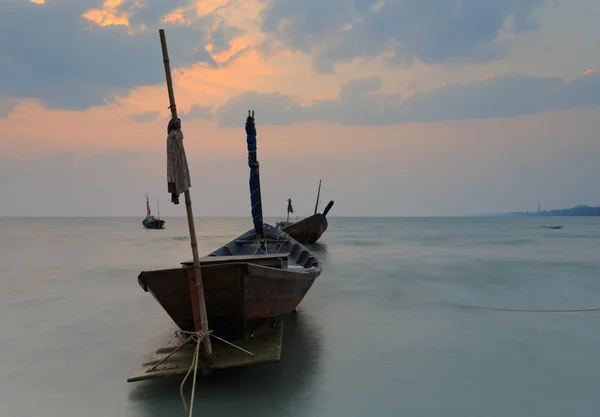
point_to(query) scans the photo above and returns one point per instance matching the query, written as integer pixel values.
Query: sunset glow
(344, 91)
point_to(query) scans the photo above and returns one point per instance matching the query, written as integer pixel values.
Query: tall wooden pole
(190, 216)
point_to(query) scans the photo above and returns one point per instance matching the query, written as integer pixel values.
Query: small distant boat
(310, 229)
(150, 222)
(551, 227)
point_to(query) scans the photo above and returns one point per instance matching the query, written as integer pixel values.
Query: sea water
(396, 325)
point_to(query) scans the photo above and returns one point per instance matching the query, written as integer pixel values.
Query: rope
(284, 242)
(258, 243)
(521, 310)
(199, 337)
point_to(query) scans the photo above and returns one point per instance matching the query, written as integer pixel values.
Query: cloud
(222, 36)
(361, 103)
(433, 31)
(6, 106)
(198, 112)
(86, 60)
(147, 116)
(276, 109)
(152, 12)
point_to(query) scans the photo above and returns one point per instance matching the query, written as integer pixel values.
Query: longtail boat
(310, 229)
(151, 222)
(249, 284)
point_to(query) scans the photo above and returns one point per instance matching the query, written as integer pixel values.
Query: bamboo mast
(203, 318)
(318, 194)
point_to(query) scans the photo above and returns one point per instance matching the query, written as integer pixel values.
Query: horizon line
(229, 217)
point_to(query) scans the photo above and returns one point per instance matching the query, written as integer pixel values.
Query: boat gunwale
(288, 273)
(278, 236)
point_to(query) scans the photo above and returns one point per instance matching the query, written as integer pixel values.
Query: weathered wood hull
(244, 292)
(308, 230)
(240, 297)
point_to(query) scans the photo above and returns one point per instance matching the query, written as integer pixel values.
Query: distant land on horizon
(580, 210)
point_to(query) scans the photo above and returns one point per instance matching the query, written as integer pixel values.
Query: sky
(401, 107)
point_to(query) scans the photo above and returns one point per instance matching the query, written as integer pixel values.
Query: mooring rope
(523, 310)
(199, 337)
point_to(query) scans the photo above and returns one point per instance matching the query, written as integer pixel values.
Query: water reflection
(318, 247)
(268, 389)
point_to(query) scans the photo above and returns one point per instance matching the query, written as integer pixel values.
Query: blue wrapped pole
(255, 197)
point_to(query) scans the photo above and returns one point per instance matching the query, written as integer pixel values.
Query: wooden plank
(238, 258)
(266, 349)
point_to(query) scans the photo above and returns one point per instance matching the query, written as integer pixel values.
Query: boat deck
(266, 348)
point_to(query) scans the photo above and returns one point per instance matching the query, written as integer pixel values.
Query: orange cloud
(235, 47)
(590, 71)
(202, 85)
(38, 1)
(176, 16)
(247, 72)
(487, 77)
(107, 15)
(241, 66)
(207, 7)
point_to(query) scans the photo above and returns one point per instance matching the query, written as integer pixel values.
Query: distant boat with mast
(310, 229)
(151, 222)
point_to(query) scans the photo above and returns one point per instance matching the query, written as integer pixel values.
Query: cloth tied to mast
(178, 173)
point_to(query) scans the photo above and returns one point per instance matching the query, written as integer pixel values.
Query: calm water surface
(385, 331)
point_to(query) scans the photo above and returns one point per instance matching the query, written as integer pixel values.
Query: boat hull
(156, 224)
(243, 298)
(308, 230)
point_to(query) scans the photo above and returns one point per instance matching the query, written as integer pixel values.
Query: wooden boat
(150, 222)
(552, 227)
(309, 229)
(249, 284)
(244, 290)
(246, 294)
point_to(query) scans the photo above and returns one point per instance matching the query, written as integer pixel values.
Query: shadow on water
(260, 390)
(318, 247)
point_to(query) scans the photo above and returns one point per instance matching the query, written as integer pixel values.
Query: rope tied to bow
(198, 337)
